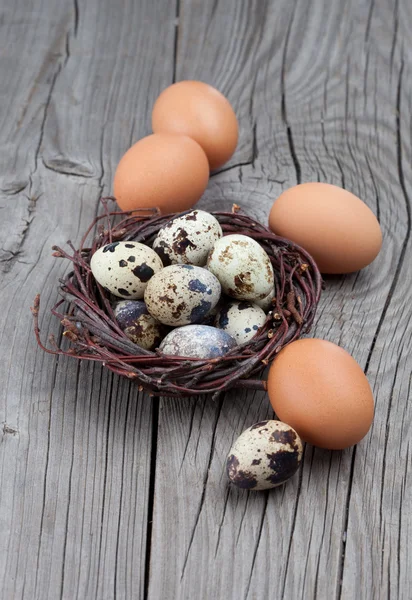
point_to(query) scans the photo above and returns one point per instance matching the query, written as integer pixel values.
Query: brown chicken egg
(334, 226)
(317, 388)
(200, 111)
(163, 169)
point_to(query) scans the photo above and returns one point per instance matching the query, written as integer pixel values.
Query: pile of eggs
(196, 293)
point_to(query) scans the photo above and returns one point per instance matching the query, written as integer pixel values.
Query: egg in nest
(124, 268)
(242, 267)
(188, 238)
(242, 320)
(140, 327)
(182, 294)
(197, 341)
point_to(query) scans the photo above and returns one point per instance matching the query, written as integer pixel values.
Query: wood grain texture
(98, 482)
(322, 90)
(75, 441)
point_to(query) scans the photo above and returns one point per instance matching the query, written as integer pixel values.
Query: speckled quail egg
(139, 326)
(182, 294)
(124, 268)
(240, 319)
(197, 341)
(264, 456)
(266, 303)
(242, 267)
(188, 239)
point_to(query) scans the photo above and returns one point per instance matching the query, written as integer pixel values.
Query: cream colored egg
(124, 268)
(242, 267)
(264, 456)
(242, 320)
(188, 238)
(182, 294)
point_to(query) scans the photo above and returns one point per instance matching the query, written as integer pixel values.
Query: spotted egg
(197, 341)
(140, 327)
(182, 294)
(242, 267)
(264, 456)
(188, 238)
(266, 303)
(124, 268)
(241, 320)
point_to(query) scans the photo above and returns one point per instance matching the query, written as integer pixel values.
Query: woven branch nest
(90, 326)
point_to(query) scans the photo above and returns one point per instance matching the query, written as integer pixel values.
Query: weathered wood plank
(75, 441)
(322, 90)
(316, 88)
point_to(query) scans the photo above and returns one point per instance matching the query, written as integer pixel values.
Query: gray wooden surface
(106, 493)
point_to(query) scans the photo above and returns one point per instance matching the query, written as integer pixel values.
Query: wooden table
(105, 492)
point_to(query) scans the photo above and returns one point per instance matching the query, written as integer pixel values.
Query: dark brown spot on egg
(283, 437)
(111, 247)
(166, 299)
(243, 283)
(134, 332)
(177, 313)
(283, 464)
(223, 317)
(143, 272)
(232, 465)
(131, 258)
(123, 292)
(242, 479)
(129, 245)
(256, 461)
(161, 251)
(122, 263)
(191, 217)
(182, 242)
(244, 305)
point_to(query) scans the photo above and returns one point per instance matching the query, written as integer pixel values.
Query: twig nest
(94, 333)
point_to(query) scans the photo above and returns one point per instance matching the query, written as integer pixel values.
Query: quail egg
(139, 326)
(182, 294)
(241, 320)
(197, 341)
(242, 267)
(264, 456)
(188, 239)
(124, 268)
